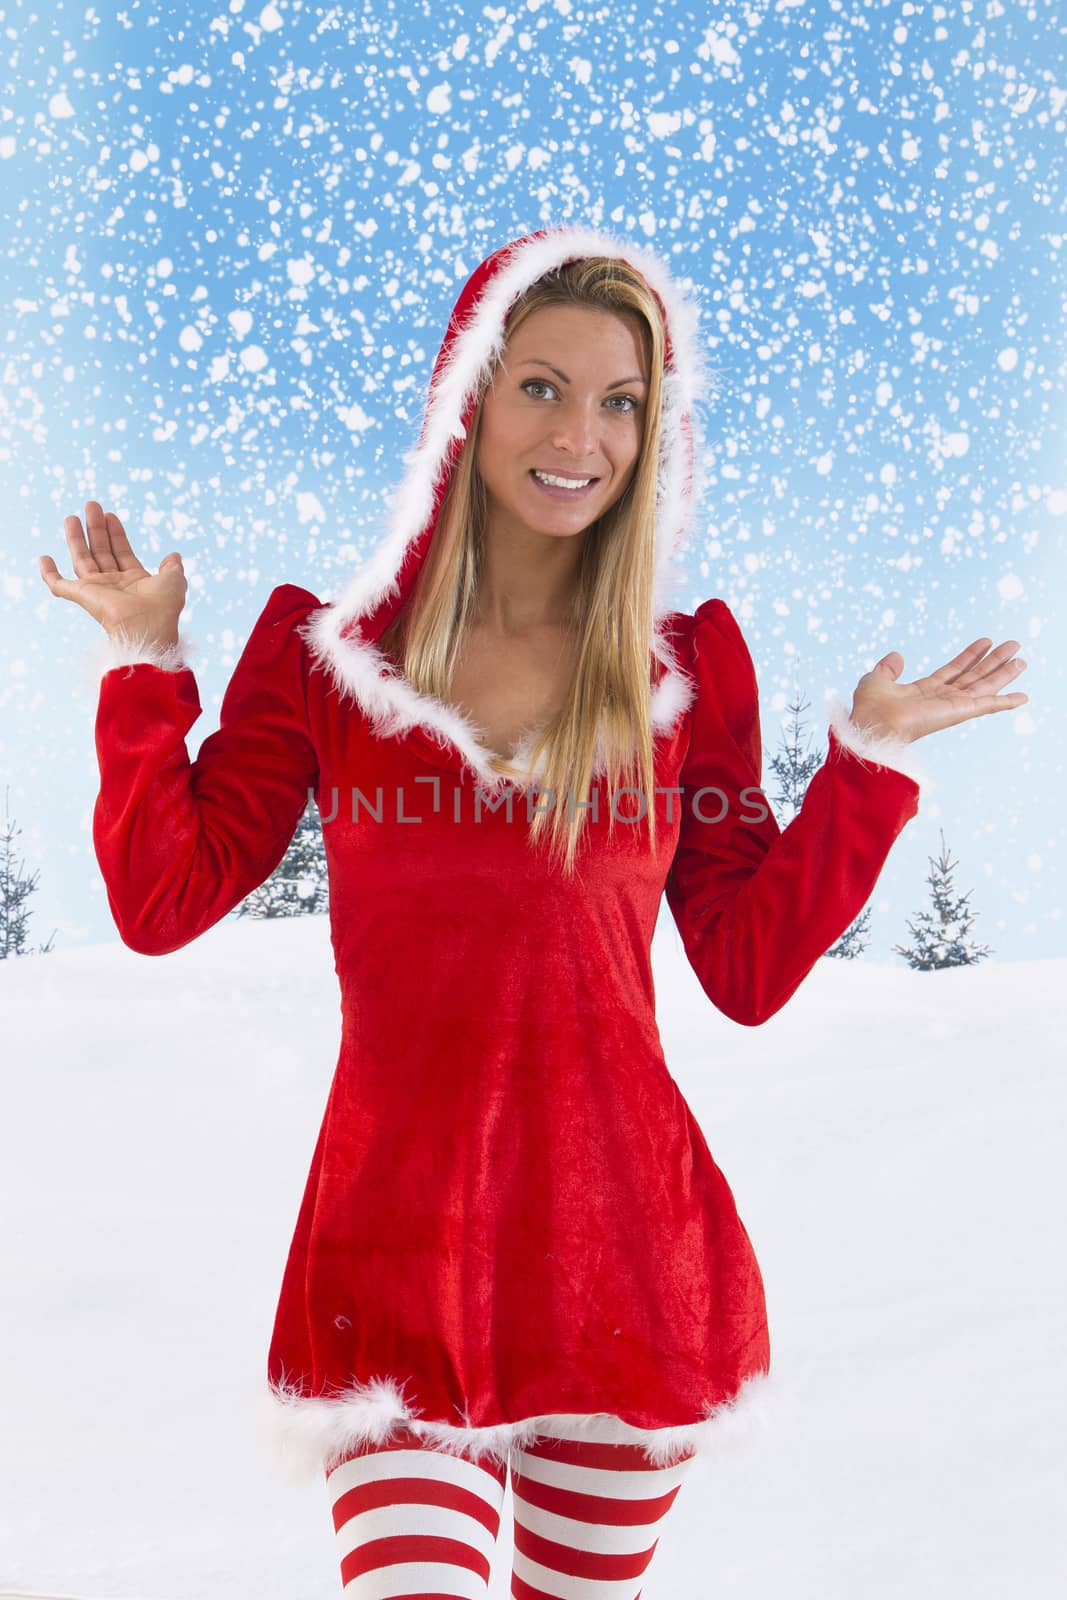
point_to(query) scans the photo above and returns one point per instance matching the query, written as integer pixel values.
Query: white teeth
(562, 483)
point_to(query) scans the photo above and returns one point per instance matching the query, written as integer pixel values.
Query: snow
(718, 48)
(301, 271)
(663, 123)
(309, 508)
(893, 1141)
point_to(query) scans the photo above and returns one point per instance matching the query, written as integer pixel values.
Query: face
(567, 401)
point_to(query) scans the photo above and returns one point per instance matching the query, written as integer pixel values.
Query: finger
(121, 548)
(1005, 672)
(964, 708)
(1000, 702)
(51, 575)
(973, 666)
(99, 538)
(992, 671)
(81, 557)
(962, 663)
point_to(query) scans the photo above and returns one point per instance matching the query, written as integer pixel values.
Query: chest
(405, 820)
(509, 687)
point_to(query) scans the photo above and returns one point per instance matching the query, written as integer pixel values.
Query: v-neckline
(360, 671)
(528, 735)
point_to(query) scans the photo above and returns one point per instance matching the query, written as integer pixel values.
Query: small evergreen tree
(939, 938)
(298, 886)
(855, 939)
(15, 891)
(794, 768)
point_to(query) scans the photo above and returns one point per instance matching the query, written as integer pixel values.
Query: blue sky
(233, 237)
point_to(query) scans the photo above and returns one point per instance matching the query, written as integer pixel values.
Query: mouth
(562, 486)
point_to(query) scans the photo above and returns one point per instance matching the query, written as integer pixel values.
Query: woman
(514, 1243)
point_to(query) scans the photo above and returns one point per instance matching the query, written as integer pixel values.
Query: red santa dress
(511, 1216)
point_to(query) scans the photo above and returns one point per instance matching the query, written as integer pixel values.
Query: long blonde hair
(612, 606)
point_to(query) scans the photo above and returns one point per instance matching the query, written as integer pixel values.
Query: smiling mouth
(561, 483)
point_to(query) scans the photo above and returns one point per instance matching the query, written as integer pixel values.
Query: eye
(629, 402)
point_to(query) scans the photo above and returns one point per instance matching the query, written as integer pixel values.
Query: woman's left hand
(965, 687)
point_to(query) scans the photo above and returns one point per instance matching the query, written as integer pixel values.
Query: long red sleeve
(181, 843)
(757, 905)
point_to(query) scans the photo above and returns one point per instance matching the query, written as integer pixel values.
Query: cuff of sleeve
(881, 749)
(121, 649)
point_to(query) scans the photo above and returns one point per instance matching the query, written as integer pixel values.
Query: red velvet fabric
(510, 1209)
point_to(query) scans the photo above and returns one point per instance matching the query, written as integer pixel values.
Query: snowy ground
(894, 1143)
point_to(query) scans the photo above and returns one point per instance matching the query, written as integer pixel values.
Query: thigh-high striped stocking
(414, 1523)
(587, 1518)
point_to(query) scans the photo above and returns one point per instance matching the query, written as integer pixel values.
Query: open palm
(111, 583)
(967, 686)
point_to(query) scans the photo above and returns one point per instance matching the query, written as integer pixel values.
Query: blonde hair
(612, 605)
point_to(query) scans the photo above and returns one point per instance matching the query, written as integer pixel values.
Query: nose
(575, 430)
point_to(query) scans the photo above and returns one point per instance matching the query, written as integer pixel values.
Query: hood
(341, 636)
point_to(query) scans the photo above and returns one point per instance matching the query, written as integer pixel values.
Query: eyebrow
(536, 361)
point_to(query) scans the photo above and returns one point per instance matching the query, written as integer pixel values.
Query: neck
(527, 580)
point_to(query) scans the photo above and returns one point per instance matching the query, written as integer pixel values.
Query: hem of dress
(308, 1435)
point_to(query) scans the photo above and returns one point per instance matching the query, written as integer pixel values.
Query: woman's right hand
(111, 583)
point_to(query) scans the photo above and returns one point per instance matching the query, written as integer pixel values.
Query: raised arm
(181, 843)
(757, 905)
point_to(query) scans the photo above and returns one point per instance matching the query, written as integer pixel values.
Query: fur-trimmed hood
(342, 636)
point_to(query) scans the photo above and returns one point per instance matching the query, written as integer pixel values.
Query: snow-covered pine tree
(15, 891)
(794, 768)
(298, 886)
(940, 937)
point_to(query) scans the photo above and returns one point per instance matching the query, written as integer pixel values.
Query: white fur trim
(882, 749)
(358, 670)
(675, 691)
(356, 667)
(122, 649)
(307, 1435)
